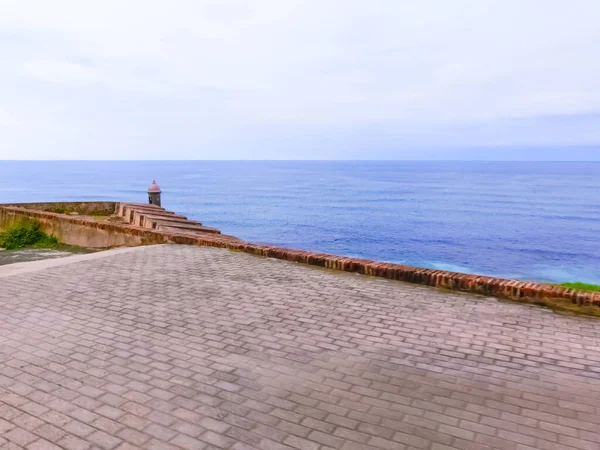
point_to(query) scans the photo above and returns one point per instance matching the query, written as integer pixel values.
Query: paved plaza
(176, 347)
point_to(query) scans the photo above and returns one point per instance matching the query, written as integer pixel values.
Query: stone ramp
(42, 264)
(178, 347)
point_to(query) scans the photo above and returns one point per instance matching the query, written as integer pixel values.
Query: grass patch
(28, 234)
(581, 286)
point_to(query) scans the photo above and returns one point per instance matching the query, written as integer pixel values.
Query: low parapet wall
(531, 292)
(86, 231)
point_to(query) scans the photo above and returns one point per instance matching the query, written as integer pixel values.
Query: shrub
(26, 235)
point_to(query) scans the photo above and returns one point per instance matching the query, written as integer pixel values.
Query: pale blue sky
(300, 79)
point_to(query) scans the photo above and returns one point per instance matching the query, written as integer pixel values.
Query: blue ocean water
(524, 220)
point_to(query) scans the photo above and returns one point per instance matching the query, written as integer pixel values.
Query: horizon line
(305, 160)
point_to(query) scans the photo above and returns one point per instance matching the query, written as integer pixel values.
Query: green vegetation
(582, 286)
(27, 234)
(62, 210)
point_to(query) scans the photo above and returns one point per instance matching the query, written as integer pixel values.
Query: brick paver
(176, 347)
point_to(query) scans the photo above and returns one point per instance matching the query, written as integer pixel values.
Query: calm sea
(525, 220)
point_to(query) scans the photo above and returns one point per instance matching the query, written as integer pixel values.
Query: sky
(300, 79)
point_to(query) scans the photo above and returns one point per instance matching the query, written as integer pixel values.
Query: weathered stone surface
(190, 347)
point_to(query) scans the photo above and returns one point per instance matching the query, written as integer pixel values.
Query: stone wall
(86, 231)
(77, 208)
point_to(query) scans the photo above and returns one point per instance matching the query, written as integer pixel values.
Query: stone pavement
(175, 347)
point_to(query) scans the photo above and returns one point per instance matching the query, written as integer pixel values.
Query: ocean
(525, 220)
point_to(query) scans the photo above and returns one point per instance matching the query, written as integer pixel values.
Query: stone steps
(170, 226)
(140, 218)
(158, 218)
(149, 220)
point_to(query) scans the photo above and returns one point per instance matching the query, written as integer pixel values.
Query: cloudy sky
(299, 79)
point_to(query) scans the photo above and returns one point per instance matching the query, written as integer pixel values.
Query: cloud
(62, 72)
(223, 73)
(6, 120)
